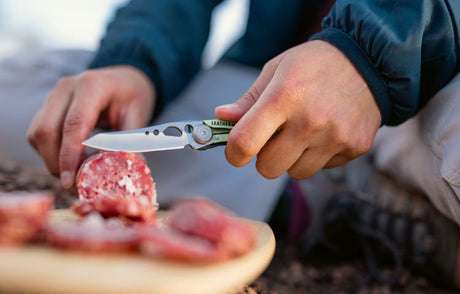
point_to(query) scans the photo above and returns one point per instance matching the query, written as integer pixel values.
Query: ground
(287, 274)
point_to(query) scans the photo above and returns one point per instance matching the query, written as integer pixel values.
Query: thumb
(236, 110)
(233, 112)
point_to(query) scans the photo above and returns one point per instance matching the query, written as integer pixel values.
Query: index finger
(80, 119)
(256, 126)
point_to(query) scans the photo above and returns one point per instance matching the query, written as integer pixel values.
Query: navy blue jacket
(406, 50)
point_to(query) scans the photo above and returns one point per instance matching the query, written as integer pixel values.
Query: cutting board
(37, 269)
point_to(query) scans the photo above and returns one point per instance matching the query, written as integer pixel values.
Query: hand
(316, 102)
(119, 97)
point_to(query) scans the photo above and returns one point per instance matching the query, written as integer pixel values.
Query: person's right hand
(120, 97)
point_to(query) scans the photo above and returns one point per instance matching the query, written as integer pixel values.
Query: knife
(198, 134)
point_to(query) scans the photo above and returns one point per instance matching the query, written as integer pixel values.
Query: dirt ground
(287, 274)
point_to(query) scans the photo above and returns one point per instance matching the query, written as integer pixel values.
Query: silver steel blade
(146, 139)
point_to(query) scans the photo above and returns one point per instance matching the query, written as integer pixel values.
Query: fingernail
(227, 106)
(66, 179)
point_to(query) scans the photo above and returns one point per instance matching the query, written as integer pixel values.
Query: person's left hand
(316, 102)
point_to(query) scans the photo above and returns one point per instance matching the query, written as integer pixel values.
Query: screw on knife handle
(202, 134)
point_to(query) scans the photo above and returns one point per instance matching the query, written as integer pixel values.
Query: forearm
(405, 50)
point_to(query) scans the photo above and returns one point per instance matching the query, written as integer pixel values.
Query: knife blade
(199, 135)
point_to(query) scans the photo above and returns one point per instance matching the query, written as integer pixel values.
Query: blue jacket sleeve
(406, 50)
(163, 38)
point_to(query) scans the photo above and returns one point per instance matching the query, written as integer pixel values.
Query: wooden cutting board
(45, 270)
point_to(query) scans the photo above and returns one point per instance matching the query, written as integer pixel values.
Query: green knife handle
(219, 124)
(220, 138)
(220, 130)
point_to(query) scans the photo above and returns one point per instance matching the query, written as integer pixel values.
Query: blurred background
(36, 25)
(57, 24)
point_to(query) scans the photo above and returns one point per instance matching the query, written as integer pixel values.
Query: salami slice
(23, 216)
(116, 184)
(93, 234)
(165, 242)
(205, 219)
(197, 231)
(130, 210)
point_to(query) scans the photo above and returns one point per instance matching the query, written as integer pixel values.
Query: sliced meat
(130, 209)
(23, 216)
(116, 184)
(197, 231)
(205, 219)
(93, 234)
(172, 244)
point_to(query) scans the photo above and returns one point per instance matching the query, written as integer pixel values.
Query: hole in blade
(188, 129)
(146, 133)
(172, 131)
(156, 132)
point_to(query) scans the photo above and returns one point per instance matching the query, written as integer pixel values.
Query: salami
(116, 184)
(23, 216)
(169, 243)
(207, 220)
(93, 234)
(130, 210)
(199, 231)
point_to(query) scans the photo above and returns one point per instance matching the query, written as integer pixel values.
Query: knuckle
(337, 160)
(32, 139)
(88, 77)
(265, 171)
(73, 122)
(270, 65)
(91, 78)
(283, 97)
(363, 146)
(64, 157)
(39, 133)
(242, 145)
(252, 94)
(286, 88)
(340, 138)
(297, 175)
(302, 172)
(357, 149)
(64, 82)
(284, 91)
(307, 127)
(314, 124)
(267, 175)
